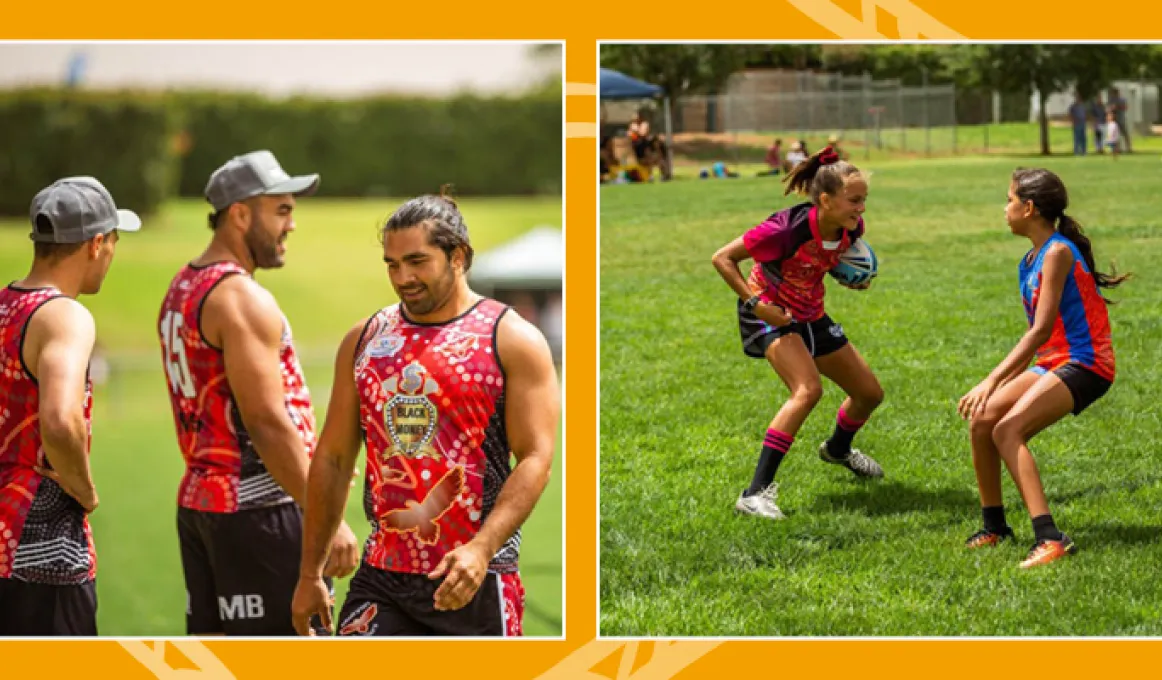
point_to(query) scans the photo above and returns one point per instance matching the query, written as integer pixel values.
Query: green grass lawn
(683, 413)
(334, 276)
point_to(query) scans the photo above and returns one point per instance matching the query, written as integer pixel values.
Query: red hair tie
(828, 156)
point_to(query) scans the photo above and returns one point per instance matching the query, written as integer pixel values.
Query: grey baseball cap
(255, 174)
(77, 209)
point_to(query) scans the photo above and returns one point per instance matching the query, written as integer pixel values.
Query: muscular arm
(58, 343)
(244, 320)
(334, 460)
(532, 409)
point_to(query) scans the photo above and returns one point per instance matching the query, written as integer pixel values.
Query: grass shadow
(1120, 534)
(894, 498)
(1098, 490)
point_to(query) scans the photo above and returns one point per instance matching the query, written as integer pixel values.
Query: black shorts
(241, 569)
(640, 148)
(389, 603)
(822, 336)
(1085, 385)
(39, 609)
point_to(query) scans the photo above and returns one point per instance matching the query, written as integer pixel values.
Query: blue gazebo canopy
(617, 85)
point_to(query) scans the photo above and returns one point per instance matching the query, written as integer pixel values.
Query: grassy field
(334, 276)
(683, 412)
(746, 151)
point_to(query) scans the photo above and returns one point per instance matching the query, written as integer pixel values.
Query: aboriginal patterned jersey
(223, 471)
(44, 533)
(1081, 331)
(431, 405)
(791, 258)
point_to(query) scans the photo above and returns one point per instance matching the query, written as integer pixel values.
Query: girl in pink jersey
(1068, 339)
(781, 317)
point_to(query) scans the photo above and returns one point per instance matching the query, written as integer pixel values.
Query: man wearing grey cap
(48, 563)
(244, 420)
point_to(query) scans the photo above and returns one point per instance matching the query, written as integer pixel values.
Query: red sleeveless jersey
(223, 471)
(431, 406)
(44, 533)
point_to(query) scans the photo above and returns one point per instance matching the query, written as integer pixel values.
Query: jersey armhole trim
(202, 303)
(359, 346)
(496, 345)
(24, 333)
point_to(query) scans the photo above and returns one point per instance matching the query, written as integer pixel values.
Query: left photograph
(174, 460)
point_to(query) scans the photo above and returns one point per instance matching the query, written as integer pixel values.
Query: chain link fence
(866, 114)
(870, 117)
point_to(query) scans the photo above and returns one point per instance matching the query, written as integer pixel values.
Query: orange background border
(581, 25)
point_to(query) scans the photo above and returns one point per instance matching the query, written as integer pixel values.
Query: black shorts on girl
(822, 336)
(1085, 385)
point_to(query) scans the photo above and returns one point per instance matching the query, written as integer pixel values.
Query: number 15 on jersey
(177, 369)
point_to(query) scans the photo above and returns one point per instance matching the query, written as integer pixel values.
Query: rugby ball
(857, 265)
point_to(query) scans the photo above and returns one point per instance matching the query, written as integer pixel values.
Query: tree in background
(1018, 69)
(797, 57)
(1055, 68)
(907, 63)
(678, 69)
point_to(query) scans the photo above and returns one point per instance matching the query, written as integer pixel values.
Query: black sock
(774, 450)
(839, 445)
(994, 519)
(1045, 529)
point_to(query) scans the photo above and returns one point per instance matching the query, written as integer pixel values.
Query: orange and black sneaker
(1045, 551)
(987, 538)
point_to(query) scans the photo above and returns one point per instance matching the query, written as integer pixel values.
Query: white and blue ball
(857, 265)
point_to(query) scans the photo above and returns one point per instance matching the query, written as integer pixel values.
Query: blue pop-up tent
(615, 86)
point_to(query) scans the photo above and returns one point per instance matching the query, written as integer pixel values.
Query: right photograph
(880, 340)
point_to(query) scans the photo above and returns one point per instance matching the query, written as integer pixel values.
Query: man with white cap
(48, 564)
(244, 420)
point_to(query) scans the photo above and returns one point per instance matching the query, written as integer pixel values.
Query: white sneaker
(761, 504)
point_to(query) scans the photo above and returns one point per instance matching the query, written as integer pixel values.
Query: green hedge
(384, 146)
(123, 139)
(380, 146)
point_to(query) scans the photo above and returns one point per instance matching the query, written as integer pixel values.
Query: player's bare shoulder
(354, 340)
(239, 303)
(1059, 254)
(59, 319)
(520, 343)
(62, 314)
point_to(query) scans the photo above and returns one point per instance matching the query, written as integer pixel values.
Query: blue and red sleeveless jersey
(1081, 331)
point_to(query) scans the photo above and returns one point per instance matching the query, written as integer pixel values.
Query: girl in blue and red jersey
(781, 317)
(1069, 341)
